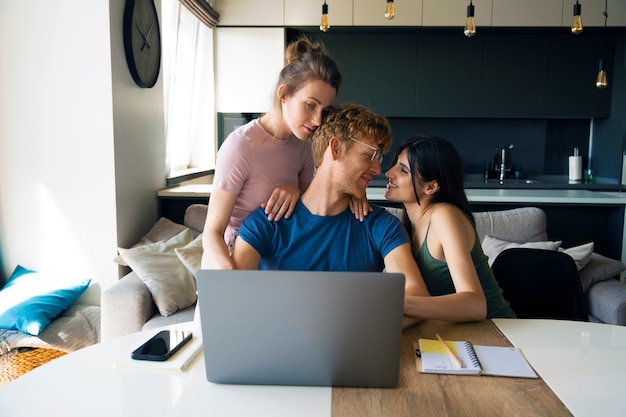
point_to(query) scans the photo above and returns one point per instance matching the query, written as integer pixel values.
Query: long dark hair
(434, 158)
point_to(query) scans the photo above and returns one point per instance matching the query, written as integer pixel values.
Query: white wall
(81, 147)
(139, 132)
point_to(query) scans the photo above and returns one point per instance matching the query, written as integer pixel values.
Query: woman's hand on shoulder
(360, 207)
(282, 202)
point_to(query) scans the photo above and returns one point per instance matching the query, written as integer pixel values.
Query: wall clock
(142, 41)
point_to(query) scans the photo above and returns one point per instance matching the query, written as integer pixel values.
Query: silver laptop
(301, 328)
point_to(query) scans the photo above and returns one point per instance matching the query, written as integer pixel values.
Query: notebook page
(503, 361)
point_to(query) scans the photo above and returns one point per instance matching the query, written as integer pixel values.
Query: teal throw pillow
(30, 300)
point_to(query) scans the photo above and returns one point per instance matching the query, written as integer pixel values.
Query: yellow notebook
(475, 359)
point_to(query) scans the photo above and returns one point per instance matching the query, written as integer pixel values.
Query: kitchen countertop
(536, 182)
(528, 196)
(551, 182)
(188, 190)
(479, 195)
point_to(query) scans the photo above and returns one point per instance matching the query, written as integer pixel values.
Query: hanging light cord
(605, 14)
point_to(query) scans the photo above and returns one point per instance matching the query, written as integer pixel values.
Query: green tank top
(439, 281)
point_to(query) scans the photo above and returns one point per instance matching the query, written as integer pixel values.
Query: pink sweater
(251, 163)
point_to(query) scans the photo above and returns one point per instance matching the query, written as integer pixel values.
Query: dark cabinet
(448, 77)
(383, 73)
(174, 208)
(493, 75)
(572, 88)
(340, 47)
(515, 76)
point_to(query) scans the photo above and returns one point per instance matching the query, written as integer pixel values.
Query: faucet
(503, 162)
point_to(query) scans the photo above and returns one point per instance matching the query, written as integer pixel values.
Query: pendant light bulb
(577, 21)
(601, 81)
(470, 23)
(324, 24)
(390, 12)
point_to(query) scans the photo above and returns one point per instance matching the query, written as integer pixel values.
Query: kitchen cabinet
(454, 13)
(247, 64)
(372, 13)
(250, 12)
(448, 76)
(528, 13)
(573, 66)
(592, 13)
(515, 76)
(309, 12)
(339, 46)
(378, 70)
(382, 73)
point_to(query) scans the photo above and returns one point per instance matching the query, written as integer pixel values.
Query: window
(189, 91)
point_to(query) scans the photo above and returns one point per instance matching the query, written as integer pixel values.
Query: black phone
(162, 345)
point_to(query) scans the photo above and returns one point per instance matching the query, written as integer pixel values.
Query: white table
(87, 383)
(584, 364)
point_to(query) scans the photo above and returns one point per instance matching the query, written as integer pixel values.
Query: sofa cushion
(195, 217)
(171, 284)
(607, 301)
(162, 230)
(599, 268)
(526, 224)
(178, 240)
(182, 316)
(75, 328)
(30, 300)
(580, 254)
(492, 246)
(191, 254)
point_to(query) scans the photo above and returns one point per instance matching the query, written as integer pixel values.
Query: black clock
(142, 41)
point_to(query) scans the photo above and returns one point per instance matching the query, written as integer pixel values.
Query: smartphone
(162, 345)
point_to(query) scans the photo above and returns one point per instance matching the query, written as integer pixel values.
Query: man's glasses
(376, 156)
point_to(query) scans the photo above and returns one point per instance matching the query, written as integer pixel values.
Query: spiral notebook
(475, 359)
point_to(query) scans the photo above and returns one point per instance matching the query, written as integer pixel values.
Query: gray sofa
(605, 294)
(128, 306)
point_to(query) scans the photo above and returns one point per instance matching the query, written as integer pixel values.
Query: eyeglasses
(376, 156)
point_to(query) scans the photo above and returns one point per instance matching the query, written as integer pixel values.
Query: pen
(452, 355)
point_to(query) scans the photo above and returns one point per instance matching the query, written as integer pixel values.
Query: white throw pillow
(493, 246)
(172, 286)
(581, 254)
(164, 229)
(191, 254)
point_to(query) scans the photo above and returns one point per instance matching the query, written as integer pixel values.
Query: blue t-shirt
(307, 242)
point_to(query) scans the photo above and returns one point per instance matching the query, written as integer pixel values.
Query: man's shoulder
(389, 213)
(386, 227)
(383, 221)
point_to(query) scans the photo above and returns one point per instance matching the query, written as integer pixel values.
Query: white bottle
(575, 167)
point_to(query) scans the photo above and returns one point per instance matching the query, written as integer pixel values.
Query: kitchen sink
(512, 181)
